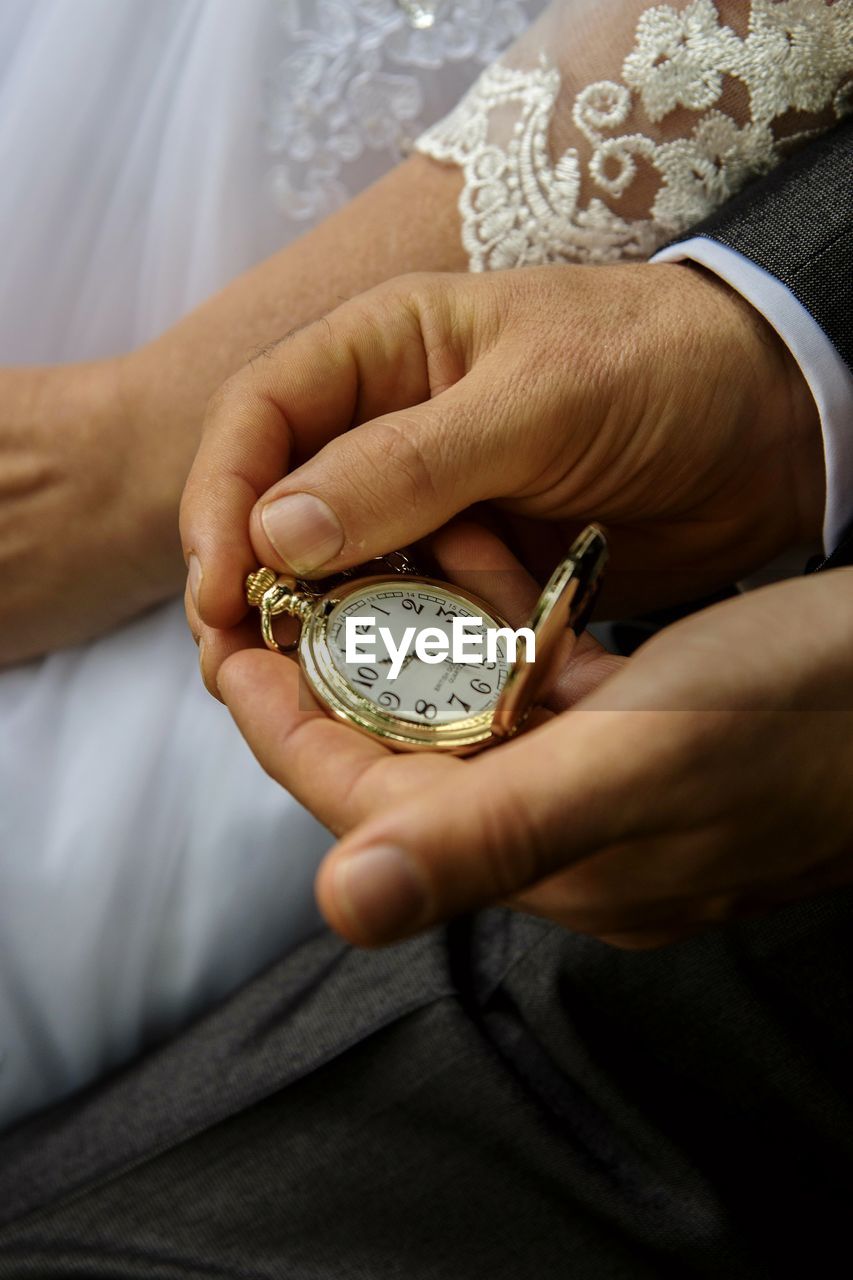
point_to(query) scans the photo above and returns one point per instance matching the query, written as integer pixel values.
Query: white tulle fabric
(362, 78)
(150, 150)
(562, 170)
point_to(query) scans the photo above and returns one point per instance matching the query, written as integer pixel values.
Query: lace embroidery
(519, 207)
(358, 80)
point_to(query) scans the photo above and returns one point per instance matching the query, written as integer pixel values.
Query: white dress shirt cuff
(828, 378)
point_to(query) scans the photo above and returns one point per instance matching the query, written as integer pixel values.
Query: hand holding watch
(423, 700)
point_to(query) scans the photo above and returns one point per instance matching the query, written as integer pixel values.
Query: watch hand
(386, 662)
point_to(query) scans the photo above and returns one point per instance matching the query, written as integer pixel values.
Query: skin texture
(94, 456)
(705, 778)
(556, 395)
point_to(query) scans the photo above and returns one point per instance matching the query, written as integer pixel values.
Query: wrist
(808, 460)
(156, 460)
(785, 428)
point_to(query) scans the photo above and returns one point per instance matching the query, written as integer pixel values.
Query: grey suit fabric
(499, 1098)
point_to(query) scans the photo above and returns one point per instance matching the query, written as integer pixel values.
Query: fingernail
(212, 689)
(304, 530)
(381, 891)
(194, 577)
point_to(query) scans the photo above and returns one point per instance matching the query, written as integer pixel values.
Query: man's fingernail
(194, 577)
(304, 530)
(381, 891)
(212, 687)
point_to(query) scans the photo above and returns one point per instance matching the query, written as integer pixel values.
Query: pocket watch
(378, 651)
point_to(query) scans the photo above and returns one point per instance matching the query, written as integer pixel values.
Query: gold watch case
(559, 617)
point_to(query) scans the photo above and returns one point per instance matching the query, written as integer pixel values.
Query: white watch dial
(423, 692)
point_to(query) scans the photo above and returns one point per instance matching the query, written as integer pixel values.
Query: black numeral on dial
(368, 677)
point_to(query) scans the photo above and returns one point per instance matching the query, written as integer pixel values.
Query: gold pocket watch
(408, 691)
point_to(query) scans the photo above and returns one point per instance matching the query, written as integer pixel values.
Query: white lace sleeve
(610, 128)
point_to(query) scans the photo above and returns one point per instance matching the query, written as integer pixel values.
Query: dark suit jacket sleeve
(797, 223)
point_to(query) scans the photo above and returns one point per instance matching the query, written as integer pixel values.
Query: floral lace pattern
(520, 207)
(358, 80)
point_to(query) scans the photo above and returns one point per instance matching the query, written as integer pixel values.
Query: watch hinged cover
(561, 614)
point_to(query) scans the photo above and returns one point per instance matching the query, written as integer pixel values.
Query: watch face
(387, 672)
(394, 677)
(419, 663)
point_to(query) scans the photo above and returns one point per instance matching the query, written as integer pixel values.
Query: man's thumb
(374, 489)
(504, 821)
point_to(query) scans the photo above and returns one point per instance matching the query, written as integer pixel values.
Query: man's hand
(652, 398)
(705, 778)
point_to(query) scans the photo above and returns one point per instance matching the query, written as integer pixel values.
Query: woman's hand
(90, 478)
(705, 778)
(94, 457)
(652, 398)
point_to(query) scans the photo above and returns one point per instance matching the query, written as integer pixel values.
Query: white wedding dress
(151, 150)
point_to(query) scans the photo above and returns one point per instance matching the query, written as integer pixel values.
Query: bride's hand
(89, 489)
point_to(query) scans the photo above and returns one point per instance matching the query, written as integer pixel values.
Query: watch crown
(258, 583)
